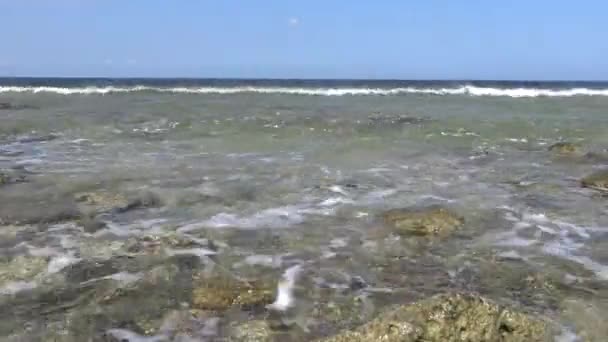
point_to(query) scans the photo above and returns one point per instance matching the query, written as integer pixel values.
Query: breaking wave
(460, 90)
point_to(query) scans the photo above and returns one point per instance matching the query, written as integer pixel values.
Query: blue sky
(424, 39)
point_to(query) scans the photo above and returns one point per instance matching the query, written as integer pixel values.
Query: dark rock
(449, 318)
(10, 106)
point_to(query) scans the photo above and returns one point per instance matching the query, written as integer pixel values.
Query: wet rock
(424, 221)
(447, 318)
(597, 181)
(221, 292)
(252, 331)
(564, 148)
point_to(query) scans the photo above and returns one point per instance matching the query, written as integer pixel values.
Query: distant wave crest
(461, 90)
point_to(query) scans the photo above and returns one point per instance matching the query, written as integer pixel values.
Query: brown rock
(220, 293)
(597, 181)
(424, 221)
(449, 318)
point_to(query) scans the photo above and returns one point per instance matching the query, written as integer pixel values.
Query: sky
(387, 39)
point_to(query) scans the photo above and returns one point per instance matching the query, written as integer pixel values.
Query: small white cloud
(293, 21)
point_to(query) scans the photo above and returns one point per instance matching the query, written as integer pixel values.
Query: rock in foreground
(425, 221)
(598, 181)
(449, 318)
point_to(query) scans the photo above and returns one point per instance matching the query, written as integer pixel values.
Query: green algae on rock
(221, 293)
(449, 318)
(597, 181)
(425, 221)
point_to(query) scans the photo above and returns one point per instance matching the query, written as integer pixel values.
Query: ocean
(122, 199)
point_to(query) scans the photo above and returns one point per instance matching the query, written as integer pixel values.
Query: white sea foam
(128, 335)
(551, 237)
(285, 298)
(58, 263)
(273, 217)
(460, 90)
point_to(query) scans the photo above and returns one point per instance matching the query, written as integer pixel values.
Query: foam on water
(285, 287)
(552, 237)
(130, 336)
(468, 90)
(58, 263)
(274, 218)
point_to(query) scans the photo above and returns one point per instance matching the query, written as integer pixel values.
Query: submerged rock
(37, 211)
(100, 201)
(564, 148)
(11, 106)
(220, 293)
(447, 318)
(380, 119)
(596, 156)
(12, 178)
(597, 181)
(425, 221)
(252, 331)
(97, 202)
(21, 268)
(142, 200)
